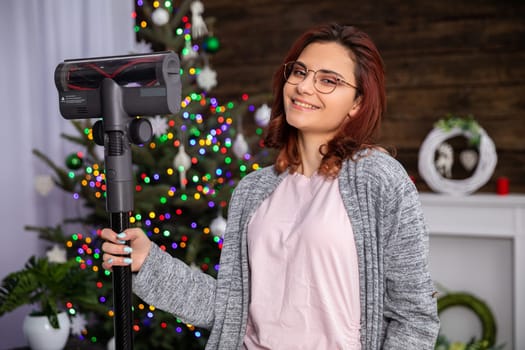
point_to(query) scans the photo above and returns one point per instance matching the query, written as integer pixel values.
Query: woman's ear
(355, 107)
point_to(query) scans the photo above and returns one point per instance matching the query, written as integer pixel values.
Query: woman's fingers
(125, 248)
(110, 235)
(116, 249)
(110, 261)
(129, 234)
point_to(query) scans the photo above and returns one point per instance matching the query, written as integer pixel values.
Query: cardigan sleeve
(171, 285)
(410, 310)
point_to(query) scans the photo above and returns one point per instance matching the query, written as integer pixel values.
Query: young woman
(327, 248)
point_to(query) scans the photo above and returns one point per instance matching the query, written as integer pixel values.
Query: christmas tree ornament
(159, 125)
(198, 26)
(182, 163)
(44, 184)
(74, 161)
(160, 16)
(262, 115)
(56, 254)
(189, 53)
(78, 324)
(207, 79)
(240, 146)
(211, 44)
(142, 47)
(218, 226)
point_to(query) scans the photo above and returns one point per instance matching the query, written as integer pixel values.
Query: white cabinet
(477, 244)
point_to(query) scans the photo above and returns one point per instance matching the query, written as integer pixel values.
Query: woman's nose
(307, 85)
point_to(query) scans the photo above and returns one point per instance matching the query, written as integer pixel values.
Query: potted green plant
(48, 285)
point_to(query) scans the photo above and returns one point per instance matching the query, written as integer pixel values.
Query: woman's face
(315, 113)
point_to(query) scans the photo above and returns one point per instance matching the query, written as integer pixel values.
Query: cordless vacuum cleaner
(118, 89)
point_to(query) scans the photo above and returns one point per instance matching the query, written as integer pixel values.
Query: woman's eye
(328, 80)
(299, 72)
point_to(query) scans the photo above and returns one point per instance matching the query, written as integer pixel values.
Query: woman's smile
(304, 104)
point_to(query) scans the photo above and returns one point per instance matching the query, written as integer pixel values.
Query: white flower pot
(42, 336)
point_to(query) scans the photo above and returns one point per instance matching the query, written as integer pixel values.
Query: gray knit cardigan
(398, 310)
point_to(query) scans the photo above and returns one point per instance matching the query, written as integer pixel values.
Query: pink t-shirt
(304, 273)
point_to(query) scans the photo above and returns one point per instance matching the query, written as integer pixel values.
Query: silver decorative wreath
(428, 171)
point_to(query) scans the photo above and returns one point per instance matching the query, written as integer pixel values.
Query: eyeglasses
(325, 81)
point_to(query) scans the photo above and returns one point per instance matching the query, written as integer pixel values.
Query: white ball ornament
(240, 146)
(262, 115)
(44, 184)
(160, 16)
(218, 226)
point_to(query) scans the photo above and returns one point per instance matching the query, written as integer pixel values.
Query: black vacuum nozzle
(150, 83)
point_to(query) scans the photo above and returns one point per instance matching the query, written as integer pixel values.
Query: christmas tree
(184, 176)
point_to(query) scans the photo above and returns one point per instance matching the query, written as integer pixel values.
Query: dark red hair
(360, 131)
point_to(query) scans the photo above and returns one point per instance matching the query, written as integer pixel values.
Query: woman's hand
(118, 253)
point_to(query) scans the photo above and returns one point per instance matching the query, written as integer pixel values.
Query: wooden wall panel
(460, 57)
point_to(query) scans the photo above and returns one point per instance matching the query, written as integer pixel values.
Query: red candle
(502, 185)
